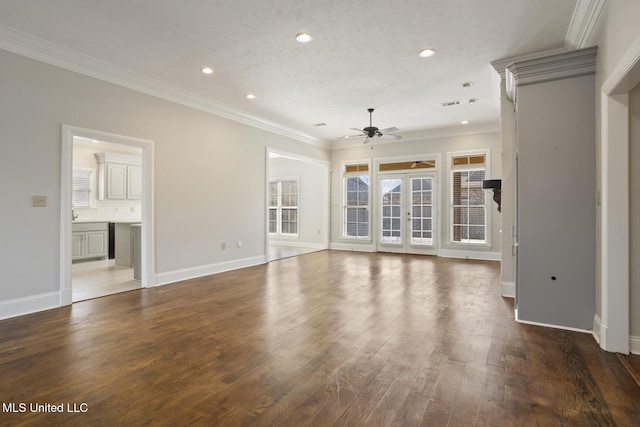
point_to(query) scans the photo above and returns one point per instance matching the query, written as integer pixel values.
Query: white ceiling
(364, 53)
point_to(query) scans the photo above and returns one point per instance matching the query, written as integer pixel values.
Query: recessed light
(425, 53)
(473, 100)
(207, 70)
(251, 96)
(95, 141)
(467, 85)
(304, 37)
(464, 122)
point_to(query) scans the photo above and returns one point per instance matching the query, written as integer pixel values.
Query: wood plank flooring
(328, 338)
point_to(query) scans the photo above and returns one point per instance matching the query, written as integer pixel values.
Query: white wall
(312, 201)
(419, 149)
(615, 33)
(209, 173)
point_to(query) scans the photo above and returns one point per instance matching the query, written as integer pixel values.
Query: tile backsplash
(111, 210)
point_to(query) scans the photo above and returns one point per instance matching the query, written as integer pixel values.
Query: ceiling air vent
(450, 103)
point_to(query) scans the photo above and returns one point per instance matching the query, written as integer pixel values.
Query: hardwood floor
(281, 252)
(328, 338)
(632, 363)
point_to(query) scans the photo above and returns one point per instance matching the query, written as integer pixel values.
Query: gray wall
(209, 172)
(634, 217)
(556, 200)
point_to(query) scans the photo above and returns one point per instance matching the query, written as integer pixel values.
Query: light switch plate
(39, 201)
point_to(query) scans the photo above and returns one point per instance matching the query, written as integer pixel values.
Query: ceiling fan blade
(361, 135)
(358, 130)
(389, 130)
(366, 141)
(389, 136)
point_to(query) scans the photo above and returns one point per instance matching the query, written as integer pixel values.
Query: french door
(407, 213)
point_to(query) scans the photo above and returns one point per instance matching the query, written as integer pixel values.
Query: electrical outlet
(223, 246)
(39, 201)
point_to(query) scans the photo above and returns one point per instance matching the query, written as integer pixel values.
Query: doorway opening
(407, 212)
(106, 214)
(297, 208)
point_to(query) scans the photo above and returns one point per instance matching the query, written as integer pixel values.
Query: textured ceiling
(364, 52)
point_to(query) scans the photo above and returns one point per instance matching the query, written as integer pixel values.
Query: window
(468, 210)
(283, 207)
(356, 201)
(81, 188)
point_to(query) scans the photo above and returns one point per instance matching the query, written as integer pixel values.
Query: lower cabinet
(90, 240)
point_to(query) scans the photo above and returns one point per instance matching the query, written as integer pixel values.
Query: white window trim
(279, 234)
(93, 196)
(343, 219)
(487, 200)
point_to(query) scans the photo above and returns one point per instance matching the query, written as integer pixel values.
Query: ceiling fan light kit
(372, 131)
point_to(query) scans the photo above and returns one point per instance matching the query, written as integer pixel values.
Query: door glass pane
(391, 196)
(421, 206)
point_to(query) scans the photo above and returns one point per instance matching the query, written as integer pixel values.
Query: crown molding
(21, 43)
(424, 134)
(583, 21)
(626, 75)
(554, 67)
(500, 65)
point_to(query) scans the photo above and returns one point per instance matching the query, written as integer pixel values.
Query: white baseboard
(469, 254)
(634, 344)
(296, 244)
(21, 306)
(548, 325)
(356, 247)
(508, 289)
(599, 331)
(66, 297)
(205, 270)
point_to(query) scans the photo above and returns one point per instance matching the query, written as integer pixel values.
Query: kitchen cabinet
(89, 240)
(134, 182)
(127, 251)
(136, 248)
(119, 177)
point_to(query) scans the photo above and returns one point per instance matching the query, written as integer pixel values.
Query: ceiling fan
(372, 131)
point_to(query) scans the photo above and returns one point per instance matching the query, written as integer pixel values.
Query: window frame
(345, 206)
(451, 169)
(91, 173)
(280, 207)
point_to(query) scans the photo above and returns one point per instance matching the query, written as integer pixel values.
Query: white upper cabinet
(134, 182)
(119, 177)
